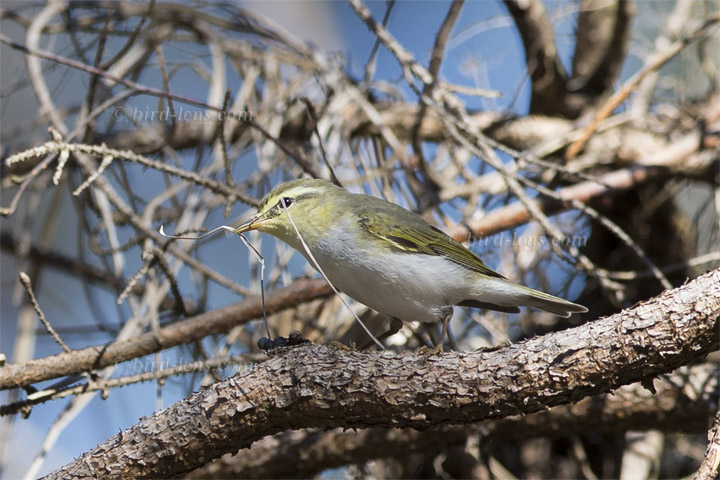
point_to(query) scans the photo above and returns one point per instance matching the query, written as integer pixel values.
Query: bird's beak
(253, 224)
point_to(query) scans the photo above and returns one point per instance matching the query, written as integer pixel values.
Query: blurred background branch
(185, 114)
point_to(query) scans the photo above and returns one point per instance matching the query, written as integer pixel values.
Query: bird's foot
(429, 352)
(340, 346)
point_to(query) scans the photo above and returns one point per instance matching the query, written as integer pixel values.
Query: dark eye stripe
(277, 208)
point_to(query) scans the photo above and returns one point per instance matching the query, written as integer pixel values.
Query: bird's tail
(549, 303)
(504, 296)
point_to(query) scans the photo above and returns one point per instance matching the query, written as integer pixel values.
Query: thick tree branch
(603, 35)
(543, 63)
(654, 63)
(320, 387)
(683, 402)
(711, 463)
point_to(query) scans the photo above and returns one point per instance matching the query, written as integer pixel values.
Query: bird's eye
(286, 202)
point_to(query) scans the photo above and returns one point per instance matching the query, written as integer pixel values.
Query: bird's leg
(395, 326)
(439, 347)
(444, 331)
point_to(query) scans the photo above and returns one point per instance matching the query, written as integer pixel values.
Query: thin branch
(35, 74)
(193, 328)
(245, 117)
(436, 58)
(55, 146)
(678, 20)
(166, 88)
(236, 362)
(656, 167)
(607, 223)
(92, 88)
(131, 39)
(315, 119)
(709, 258)
(32, 53)
(370, 64)
(223, 141)
(25, 280)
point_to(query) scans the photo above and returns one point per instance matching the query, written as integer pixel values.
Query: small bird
(389, 258)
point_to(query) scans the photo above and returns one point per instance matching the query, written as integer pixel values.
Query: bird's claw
(429, 352)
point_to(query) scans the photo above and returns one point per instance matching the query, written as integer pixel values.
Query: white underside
(411, 287)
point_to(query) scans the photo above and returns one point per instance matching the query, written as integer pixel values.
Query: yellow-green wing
(405, 231)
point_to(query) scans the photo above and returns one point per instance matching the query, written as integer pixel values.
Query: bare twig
(370, 64)
(236, 362)
(52, 147)
(184, 331)
(25, 280)
(223, 142)
(166, 87)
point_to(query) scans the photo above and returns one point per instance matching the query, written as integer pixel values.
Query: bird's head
(310, 203)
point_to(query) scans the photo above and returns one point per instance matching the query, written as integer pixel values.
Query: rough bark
(320, 387)
(683, 401)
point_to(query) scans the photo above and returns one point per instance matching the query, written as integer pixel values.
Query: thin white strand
(250, 246)
(319, 269)
(187, 237)
(260, 259)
